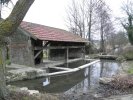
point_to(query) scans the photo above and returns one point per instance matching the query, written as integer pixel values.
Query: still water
(82, 80)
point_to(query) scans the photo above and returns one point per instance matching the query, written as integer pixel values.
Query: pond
(82, 80)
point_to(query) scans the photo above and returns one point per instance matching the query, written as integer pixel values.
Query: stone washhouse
(30, 40)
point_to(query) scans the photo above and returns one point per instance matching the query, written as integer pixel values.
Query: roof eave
(27, 33)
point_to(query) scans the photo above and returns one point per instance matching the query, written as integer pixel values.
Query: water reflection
(92, 75)
(108, 68)
(46, 82)
(79, 81)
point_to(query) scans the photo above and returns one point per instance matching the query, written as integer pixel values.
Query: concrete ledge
(110, 57)
(20, 72)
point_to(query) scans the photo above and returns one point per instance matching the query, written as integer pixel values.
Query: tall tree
(73, 17)
(121, 39)
(88, 17)
(128, 25)
(104, 23)
(110, 34)
(81, 17)
(7, 28)
(91, 7)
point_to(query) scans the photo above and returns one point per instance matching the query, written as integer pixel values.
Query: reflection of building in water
(46, 82)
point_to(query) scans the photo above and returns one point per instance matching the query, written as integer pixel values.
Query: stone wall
(20, 49)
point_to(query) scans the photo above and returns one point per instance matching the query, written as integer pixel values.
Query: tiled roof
(50, 34)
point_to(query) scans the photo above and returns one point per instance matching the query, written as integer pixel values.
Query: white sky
(53, 12)
(115, 6)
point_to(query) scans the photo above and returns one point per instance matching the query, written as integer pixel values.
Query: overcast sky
(53, 12)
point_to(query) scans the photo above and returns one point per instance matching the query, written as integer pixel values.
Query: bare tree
(81, 17)
(121, 39)
(92, 5)
(73, 17)
(104, 23)
(88, 17)
(7, 28)
(109, 36)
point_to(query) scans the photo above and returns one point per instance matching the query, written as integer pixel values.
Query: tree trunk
(90, 21)
(11, 23)
(7, 28)
(102, 42)
(3, 90)
(89, 30)
(102, 48)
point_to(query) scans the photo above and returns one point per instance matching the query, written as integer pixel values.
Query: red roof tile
(50, 34)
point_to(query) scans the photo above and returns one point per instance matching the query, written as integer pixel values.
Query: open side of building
(28, 43)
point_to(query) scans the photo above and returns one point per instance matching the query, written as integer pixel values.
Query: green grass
(8, 62)
(130, 69)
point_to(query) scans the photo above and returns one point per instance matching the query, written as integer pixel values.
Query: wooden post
(67, 57)
(83, 51)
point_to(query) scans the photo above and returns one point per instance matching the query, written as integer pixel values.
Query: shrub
(122, 82)
(130, 71)
(8, 62)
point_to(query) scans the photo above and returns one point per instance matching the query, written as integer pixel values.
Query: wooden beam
(57, 47)
(37, 54)
(60, 68)
(74, 60)
(46, 44)
(40, 51)
(113, 57)
(91, 59)
(72, 70)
